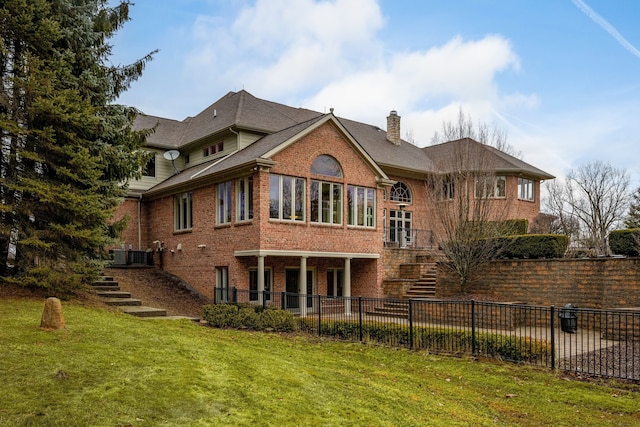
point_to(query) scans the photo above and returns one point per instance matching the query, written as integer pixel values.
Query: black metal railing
(602, 343)
(415, 238)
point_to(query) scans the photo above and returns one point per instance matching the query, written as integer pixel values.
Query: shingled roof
(481, 156)
(279, 122)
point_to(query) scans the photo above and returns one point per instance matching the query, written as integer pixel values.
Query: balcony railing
(414, 238)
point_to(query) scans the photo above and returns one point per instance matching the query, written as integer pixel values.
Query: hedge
(625, 242)
(533, 246)
(516, 349)
(248, 316)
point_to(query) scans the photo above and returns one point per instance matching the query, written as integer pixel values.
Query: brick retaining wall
(587, 283)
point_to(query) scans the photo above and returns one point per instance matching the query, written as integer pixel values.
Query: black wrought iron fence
(594, 342)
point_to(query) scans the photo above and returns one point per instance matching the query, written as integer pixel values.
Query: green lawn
(110, 369)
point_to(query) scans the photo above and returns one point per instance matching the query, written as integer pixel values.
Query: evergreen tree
(633, 217)
(67, 149)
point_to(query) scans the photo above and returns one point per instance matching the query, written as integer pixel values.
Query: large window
(491, 187)
(244, 199)
(182, 213)
(525, 189)
(361, 206)
(253, 284)
(326, 165)
(400, 193)
(326, 202)
(286, 198)
(223, 203)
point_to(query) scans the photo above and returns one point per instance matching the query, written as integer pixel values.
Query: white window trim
(353, 210)
(528, 186)
(332, 212)
(496, 188)
(245, 203)
(293, 180)
(223, 203)
(181, 223)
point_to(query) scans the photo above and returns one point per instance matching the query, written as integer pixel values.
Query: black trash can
(568, 319)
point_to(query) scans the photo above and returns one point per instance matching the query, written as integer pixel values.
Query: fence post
(410, 324)
(360, 317)
(473, 328)
(553, 338)
(319, 315)
(283, 301)
(264, 300)
(235, 295)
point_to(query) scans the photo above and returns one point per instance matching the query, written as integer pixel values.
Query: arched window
(400, 193)
(326, 165)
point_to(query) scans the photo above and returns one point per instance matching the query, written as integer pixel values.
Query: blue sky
(561, 77)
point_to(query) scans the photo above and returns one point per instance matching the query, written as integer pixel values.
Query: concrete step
(106, 278)
(105, 288)
(398, 314)
(144, 311)
(104, 283)
(113, 294)
(193, 319)
(122, 301)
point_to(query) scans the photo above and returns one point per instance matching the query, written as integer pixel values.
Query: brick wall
(131, 235)
(587, 283)
(197, 265)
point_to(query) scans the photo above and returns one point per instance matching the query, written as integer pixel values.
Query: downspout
(139, 222)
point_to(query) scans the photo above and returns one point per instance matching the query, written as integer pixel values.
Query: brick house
(263, 196)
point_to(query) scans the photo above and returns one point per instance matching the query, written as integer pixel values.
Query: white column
(302, 286)
(260, 278)
(346, 286)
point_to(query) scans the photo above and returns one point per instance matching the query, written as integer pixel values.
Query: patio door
(400, 224)
(292, 278)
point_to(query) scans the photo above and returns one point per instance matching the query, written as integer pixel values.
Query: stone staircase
(425, 285)
(109, 292)
(395, 309)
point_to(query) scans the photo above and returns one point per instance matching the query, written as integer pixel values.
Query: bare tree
(468, 207)
(595, 196)
(481, 132)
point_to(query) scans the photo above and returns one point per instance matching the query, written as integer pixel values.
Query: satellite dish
(171, 155)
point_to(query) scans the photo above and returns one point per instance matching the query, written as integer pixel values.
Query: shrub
(278, 320)
(517, 349)
(248, 316)
(533, 246)
(220, 315)
(625, 242)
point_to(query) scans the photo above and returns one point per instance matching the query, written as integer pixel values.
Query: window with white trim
(182, 213)
(244, 199)
(326, 165)
(493, 187)
(400, 192)
(287, 198)
(223, 203)
(361, 206)
(326, 202)
(525, 189)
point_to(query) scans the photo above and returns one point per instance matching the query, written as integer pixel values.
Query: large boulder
(52, 317)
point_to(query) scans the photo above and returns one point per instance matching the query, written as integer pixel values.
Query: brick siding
(587, 283)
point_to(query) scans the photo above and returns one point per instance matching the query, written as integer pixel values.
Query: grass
(110, 369)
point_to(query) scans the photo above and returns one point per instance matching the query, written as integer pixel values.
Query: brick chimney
(393, 127)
